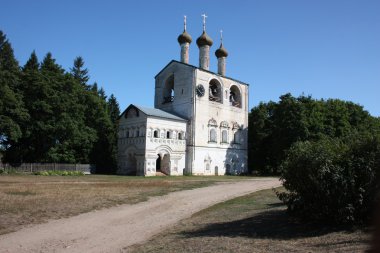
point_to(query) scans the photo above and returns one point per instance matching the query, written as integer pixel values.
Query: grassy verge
(30, 199)
(254, 223)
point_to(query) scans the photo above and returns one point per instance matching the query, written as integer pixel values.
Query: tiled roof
(158, 113)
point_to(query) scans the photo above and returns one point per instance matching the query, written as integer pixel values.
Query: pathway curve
(110, 230)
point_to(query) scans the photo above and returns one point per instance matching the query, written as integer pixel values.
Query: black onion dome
(221, 51)
(184, 37)
(204, 39)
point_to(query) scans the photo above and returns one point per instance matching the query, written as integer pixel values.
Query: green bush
(59, 173)
(332, 179)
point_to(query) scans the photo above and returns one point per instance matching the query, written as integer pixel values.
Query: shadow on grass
(273, 224)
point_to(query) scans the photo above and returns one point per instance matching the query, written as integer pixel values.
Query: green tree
(80, 73)
(113, 109)
(275, 127)
(12, 110)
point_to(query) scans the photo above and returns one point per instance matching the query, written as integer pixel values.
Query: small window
(212, 135)
(237, 137)
(224, 136)
(168, 136)
(180, 137)
(155, 134)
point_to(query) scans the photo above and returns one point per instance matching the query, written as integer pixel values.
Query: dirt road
(114, 229)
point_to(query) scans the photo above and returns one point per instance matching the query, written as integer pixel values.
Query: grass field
(254, 223)
(30, 199)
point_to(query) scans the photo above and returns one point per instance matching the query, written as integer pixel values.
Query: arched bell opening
(215, 91)
(168, 92)
(235, 96)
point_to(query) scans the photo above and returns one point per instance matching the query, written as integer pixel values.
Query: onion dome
(204, 40)
(221, 51)
(184, 37)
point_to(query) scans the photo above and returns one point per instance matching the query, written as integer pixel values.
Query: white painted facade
(206, 134)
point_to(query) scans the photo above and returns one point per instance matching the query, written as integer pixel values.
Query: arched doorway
(158, 163)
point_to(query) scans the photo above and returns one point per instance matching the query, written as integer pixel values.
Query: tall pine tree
(12, 110)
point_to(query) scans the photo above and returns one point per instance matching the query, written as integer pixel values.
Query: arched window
(155, 134)
(237, 137)
(224, 136)
(215, 91)
(180, 136)
(127, 133)
(137, 133)
(168, 135)
(168, 92)
(235, 96)
(212, 135)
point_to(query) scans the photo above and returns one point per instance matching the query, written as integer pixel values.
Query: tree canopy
(275, 126)
(48, 114)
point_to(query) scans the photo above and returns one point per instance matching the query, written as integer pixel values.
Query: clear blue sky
(324, 48)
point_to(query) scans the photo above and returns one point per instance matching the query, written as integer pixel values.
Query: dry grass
(29, 199)
(254, 223)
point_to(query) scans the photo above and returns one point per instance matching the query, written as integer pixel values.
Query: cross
(184, 22)
(204, 21)
(221, 36)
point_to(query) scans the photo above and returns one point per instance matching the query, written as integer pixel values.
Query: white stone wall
(222, 151)
(138, 149)
(175, 145)
(219, 161)
(131, 145)
(183, 90)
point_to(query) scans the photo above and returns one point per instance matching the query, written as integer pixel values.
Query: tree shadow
(274, 224)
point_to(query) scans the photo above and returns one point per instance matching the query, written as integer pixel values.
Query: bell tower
(214, 105)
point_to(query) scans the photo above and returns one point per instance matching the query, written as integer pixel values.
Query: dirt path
(111, 230)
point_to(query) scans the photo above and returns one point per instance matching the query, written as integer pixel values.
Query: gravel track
(114, 229)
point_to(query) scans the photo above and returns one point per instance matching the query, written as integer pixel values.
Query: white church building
(199, 122)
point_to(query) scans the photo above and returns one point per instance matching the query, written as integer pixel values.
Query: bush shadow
(274, 224)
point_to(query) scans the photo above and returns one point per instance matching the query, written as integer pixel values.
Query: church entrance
(158, 164)
(163, 164)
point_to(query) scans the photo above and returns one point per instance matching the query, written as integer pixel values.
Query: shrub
(332, 179)
(59, 173)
